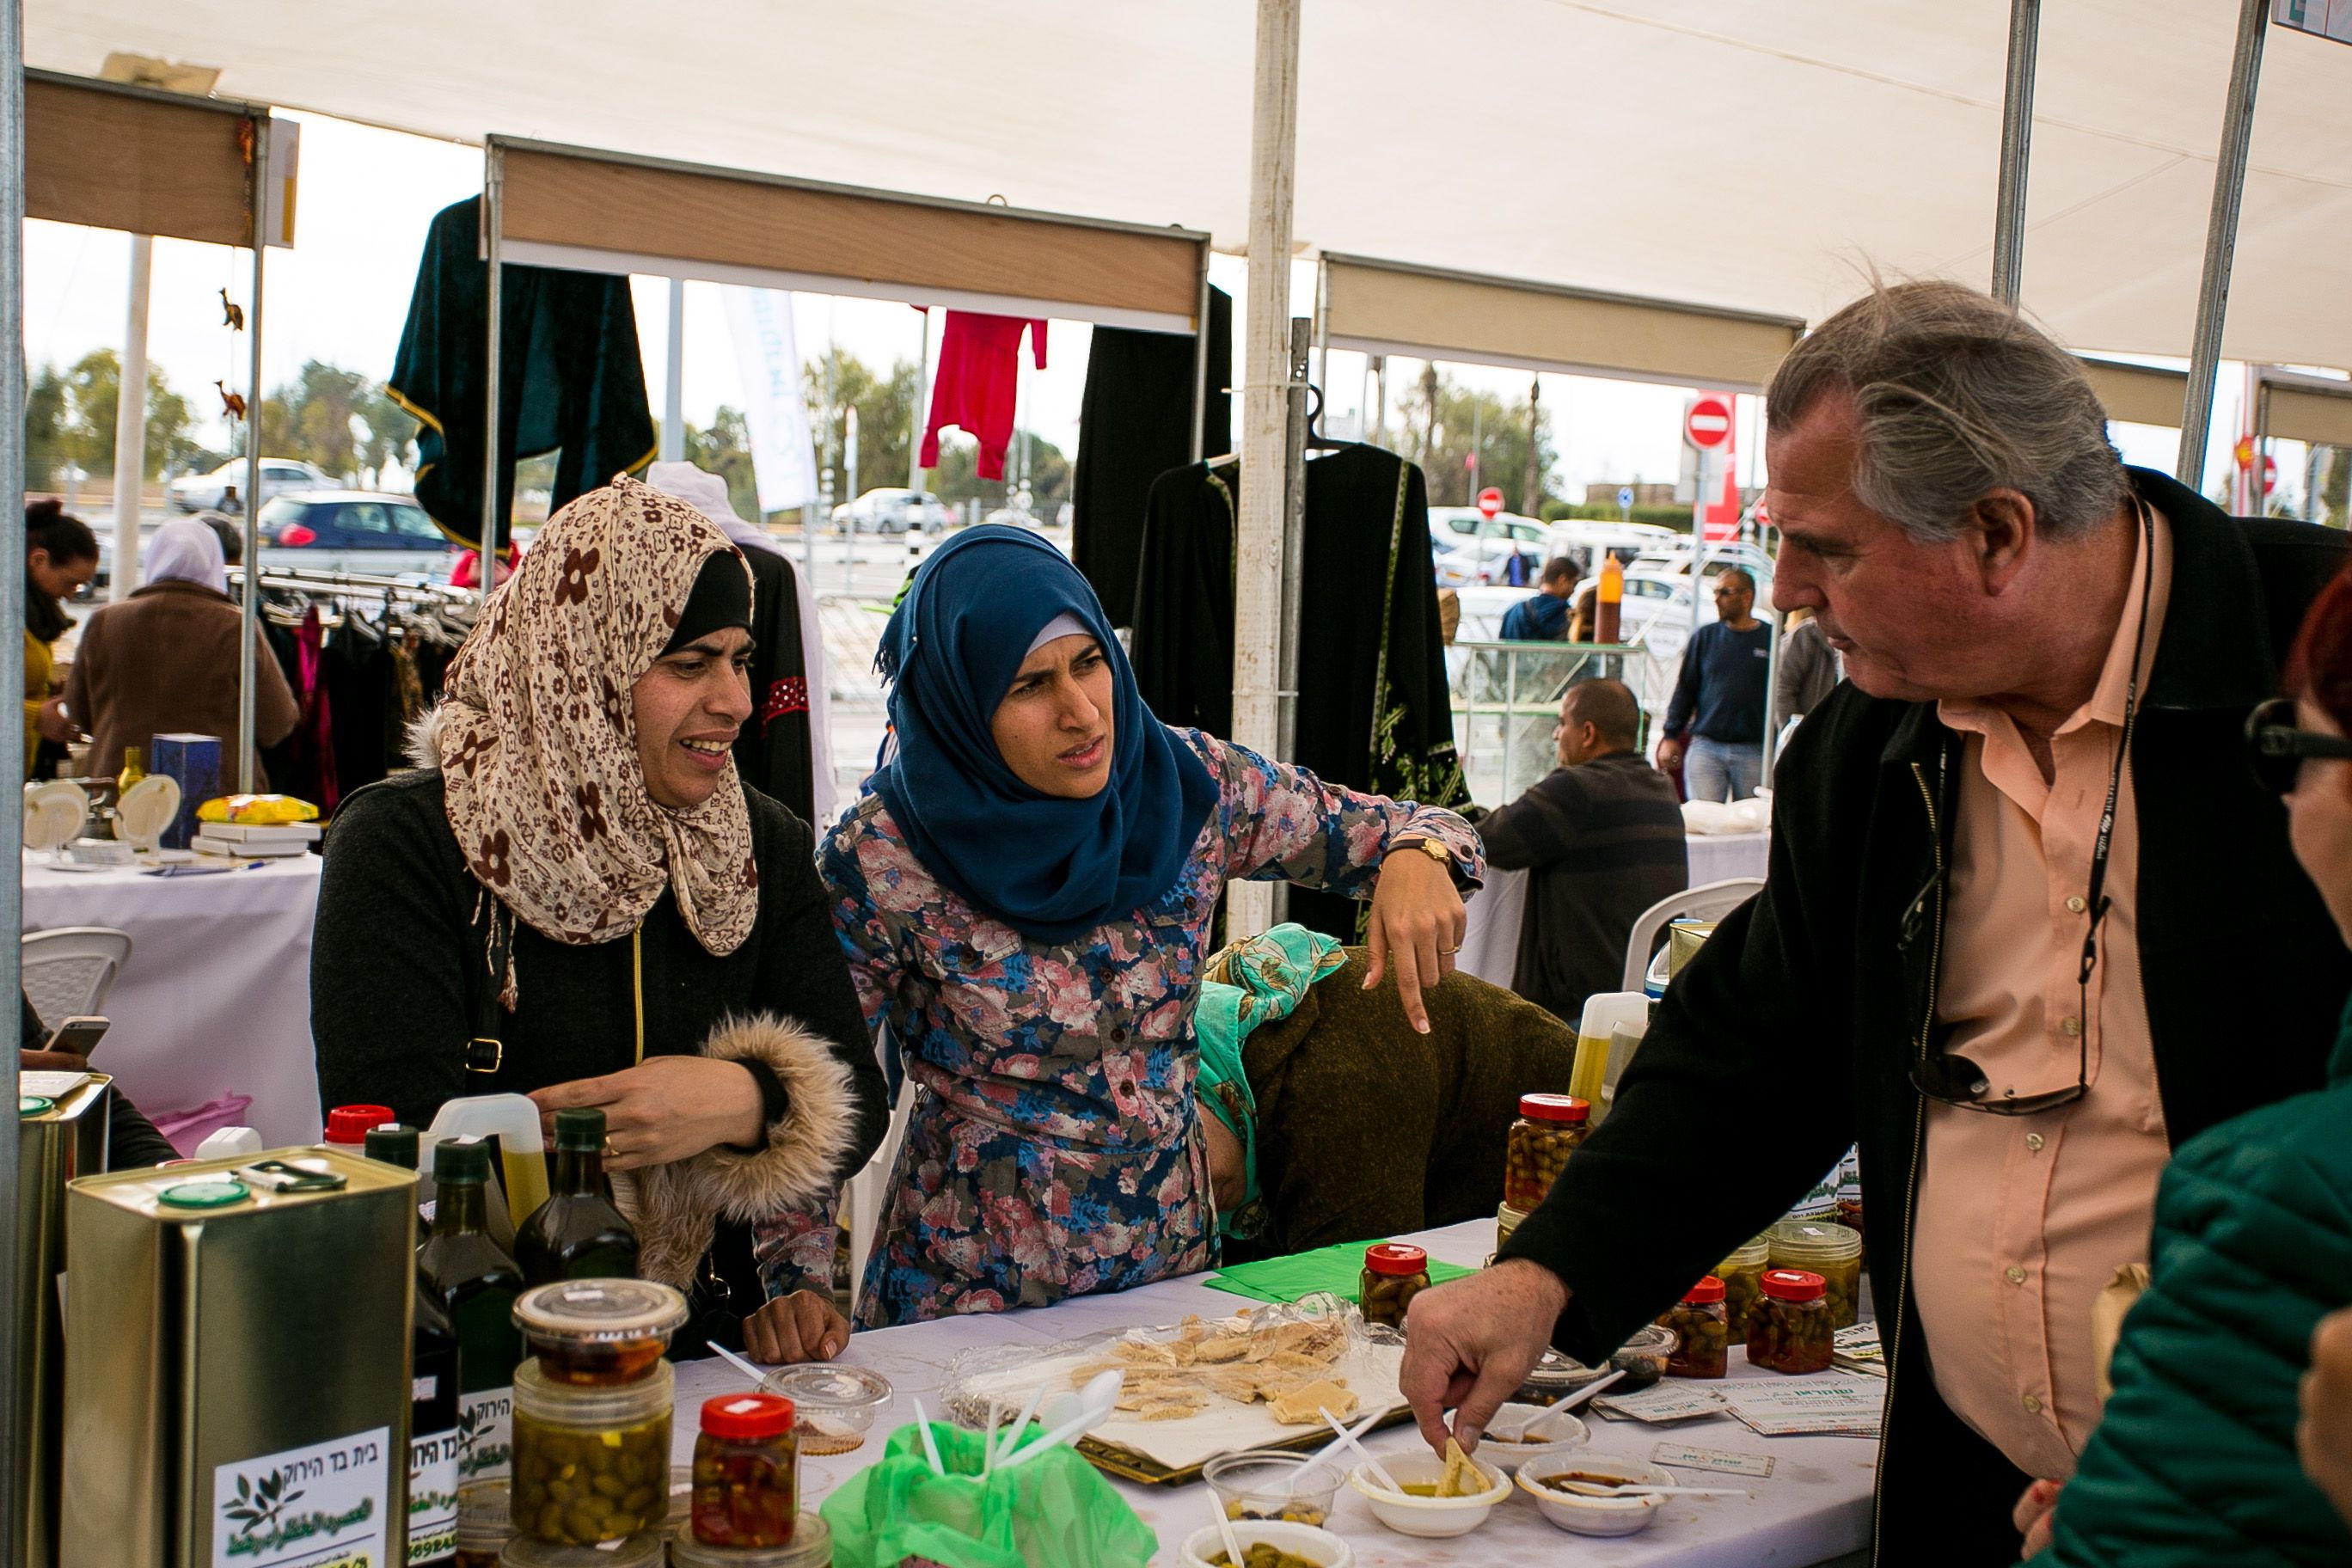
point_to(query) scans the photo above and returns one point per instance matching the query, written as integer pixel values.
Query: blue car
(353, 530)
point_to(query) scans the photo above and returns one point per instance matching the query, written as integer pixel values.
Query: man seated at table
(1542, 615)
(1601, 838)
(2021, 873)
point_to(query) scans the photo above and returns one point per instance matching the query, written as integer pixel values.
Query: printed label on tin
(433, 1495)
(320, 1506)
(485, 1434)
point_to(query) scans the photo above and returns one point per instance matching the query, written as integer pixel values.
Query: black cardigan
(1793, 1032)
(397, 977)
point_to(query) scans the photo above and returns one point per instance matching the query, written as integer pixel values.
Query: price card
(1843, 1407)
(1683, 1456)
(1661, 1402)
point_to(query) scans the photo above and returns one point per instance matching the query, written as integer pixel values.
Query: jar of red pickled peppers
(745, 1471)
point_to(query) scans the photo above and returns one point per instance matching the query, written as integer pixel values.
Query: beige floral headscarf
(537, 738)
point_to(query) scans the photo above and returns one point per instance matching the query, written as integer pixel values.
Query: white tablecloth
(1490, 942)
(217, 996)
(1814, 1506)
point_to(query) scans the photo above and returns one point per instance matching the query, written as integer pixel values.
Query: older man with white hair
(2027, 912)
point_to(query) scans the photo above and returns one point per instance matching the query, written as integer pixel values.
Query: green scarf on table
(1248, 983)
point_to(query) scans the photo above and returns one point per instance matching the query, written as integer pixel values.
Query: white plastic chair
(68, 970)
(1712, 901)
(863, 1196)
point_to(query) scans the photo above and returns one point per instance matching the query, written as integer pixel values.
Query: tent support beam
(2221, 241)
(1258, 566)
(673, 430)
(12, 667)
(2016, 150)
(1201, 364)
(493, 230)
(130, 421)
(251, 597)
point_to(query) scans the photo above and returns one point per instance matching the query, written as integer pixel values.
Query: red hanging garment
(979, 374)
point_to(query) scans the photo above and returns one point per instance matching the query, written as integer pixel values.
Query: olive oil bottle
(577, 1234)
(476, 1284)
(432, 1401)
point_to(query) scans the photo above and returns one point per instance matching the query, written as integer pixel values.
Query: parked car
(1677, 564)
(353, 530)
(1469, 547)
(1586, 540)
(892, 510)
(210, 492)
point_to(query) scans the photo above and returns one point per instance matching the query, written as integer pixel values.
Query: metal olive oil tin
(61, 1135)
(236, 1363)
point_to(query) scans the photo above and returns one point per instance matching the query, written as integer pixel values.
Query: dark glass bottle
(577, 1234)
(432, 1400)
(476, 1283)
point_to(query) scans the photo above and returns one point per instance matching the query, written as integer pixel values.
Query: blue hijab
(1049, 867)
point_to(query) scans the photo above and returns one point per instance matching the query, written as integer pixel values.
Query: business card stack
(252, 841)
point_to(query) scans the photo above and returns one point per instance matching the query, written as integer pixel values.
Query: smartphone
(77, 1036)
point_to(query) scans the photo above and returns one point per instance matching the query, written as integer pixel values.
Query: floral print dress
(1053, 1149)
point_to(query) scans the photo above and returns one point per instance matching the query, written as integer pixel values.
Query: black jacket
(1791, 1035)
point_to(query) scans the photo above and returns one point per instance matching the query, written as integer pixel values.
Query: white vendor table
(1814, 1508)
(1490, 942)
(217, 996)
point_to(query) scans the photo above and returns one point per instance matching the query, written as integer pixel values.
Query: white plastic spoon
(1095, 1402)
(1594, 1488)
(1225, 1528)
(1011, 1437)
(931, 1443)
(1371, 1464)
(1588, 1390)
(739, 1363)
(1323, 1454)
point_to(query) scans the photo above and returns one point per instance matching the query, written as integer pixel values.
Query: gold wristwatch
(1429, 846)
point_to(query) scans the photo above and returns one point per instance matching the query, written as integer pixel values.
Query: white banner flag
(782, 455)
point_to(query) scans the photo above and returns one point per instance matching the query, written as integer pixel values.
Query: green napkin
(1334, 1269)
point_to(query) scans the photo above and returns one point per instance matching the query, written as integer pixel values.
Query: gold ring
(609, 1150)
(1447, 952)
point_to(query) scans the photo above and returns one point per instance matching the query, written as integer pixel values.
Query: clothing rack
(353, 584)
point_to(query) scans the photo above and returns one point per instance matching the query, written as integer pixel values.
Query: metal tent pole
(246, 673)
(1266, 396)
(2221, 241)
(673, 430)
(494, 173)
(2016, 150)
(12, 650)
(1200, 361)
(131, 422)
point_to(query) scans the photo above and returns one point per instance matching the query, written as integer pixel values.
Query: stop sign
(1706, 423)
(1490, 502)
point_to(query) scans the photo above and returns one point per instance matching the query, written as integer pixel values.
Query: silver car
(210, 492)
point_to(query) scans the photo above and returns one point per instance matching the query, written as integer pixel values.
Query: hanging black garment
(362, 689)
(773, 751)
(1134, 425)
(1374, 710)
(569, 376)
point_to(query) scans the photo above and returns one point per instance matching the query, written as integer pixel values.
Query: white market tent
(1755, 157)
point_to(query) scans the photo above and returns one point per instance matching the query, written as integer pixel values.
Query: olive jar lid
(591, 1311)
(810, 1547)
(644, 1550)
(828, 1385)
(1397, 1258)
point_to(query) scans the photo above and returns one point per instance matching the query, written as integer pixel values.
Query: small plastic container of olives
(1831, 1251)
(1742, 1274)
(1789, 1330)
(810, 1547)
(485, 1521)
(1702, 1331)
(1549, 1129)
(599, 1333)
(1643, 1359)
(647, 1550)
(1394, 1273)
(1259, 1484)
(591, 1464)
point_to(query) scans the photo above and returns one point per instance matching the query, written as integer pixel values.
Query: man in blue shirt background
(1542, 615)
(1719, 700)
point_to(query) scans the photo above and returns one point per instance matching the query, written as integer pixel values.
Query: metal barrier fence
(1506, 697)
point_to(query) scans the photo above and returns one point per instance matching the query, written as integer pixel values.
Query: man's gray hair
(1955, 395)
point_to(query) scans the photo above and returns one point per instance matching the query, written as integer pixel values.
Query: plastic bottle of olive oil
(433, 1398)
(476, 1283)
(577, 1234)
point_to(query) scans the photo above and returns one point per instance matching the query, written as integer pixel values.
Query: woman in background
(60, 556)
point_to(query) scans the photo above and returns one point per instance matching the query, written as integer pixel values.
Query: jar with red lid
(1547, 1131)
(349, 1124)
(1791, 1329)
(746, 1472)
(1702, 1325)
(1394, 1273)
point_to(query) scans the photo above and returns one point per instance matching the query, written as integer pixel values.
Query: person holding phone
(132, 1141)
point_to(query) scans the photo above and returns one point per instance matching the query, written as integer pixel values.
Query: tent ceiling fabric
(1762, 155)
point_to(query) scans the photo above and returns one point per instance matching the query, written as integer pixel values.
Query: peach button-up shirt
(2023, 1219)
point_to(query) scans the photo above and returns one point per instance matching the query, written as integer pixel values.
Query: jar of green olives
(1831, 1251)
(1789, 1330)
(591, 1464)
(1742, 1274)
(1394, 1273)
(1702, 1332)
(1547, 1131)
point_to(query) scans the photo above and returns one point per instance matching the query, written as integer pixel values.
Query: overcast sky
(367, 196)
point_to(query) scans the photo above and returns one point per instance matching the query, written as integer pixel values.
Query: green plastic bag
(1051, 1512)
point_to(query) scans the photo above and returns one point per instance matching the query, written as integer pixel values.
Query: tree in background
(45, 428)
(725, 449)
(87, 397)
(337, 418)
(1441, 420)
(837, 381)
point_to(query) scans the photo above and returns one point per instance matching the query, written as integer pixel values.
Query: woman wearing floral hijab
(1025, 893)
(578, 876)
